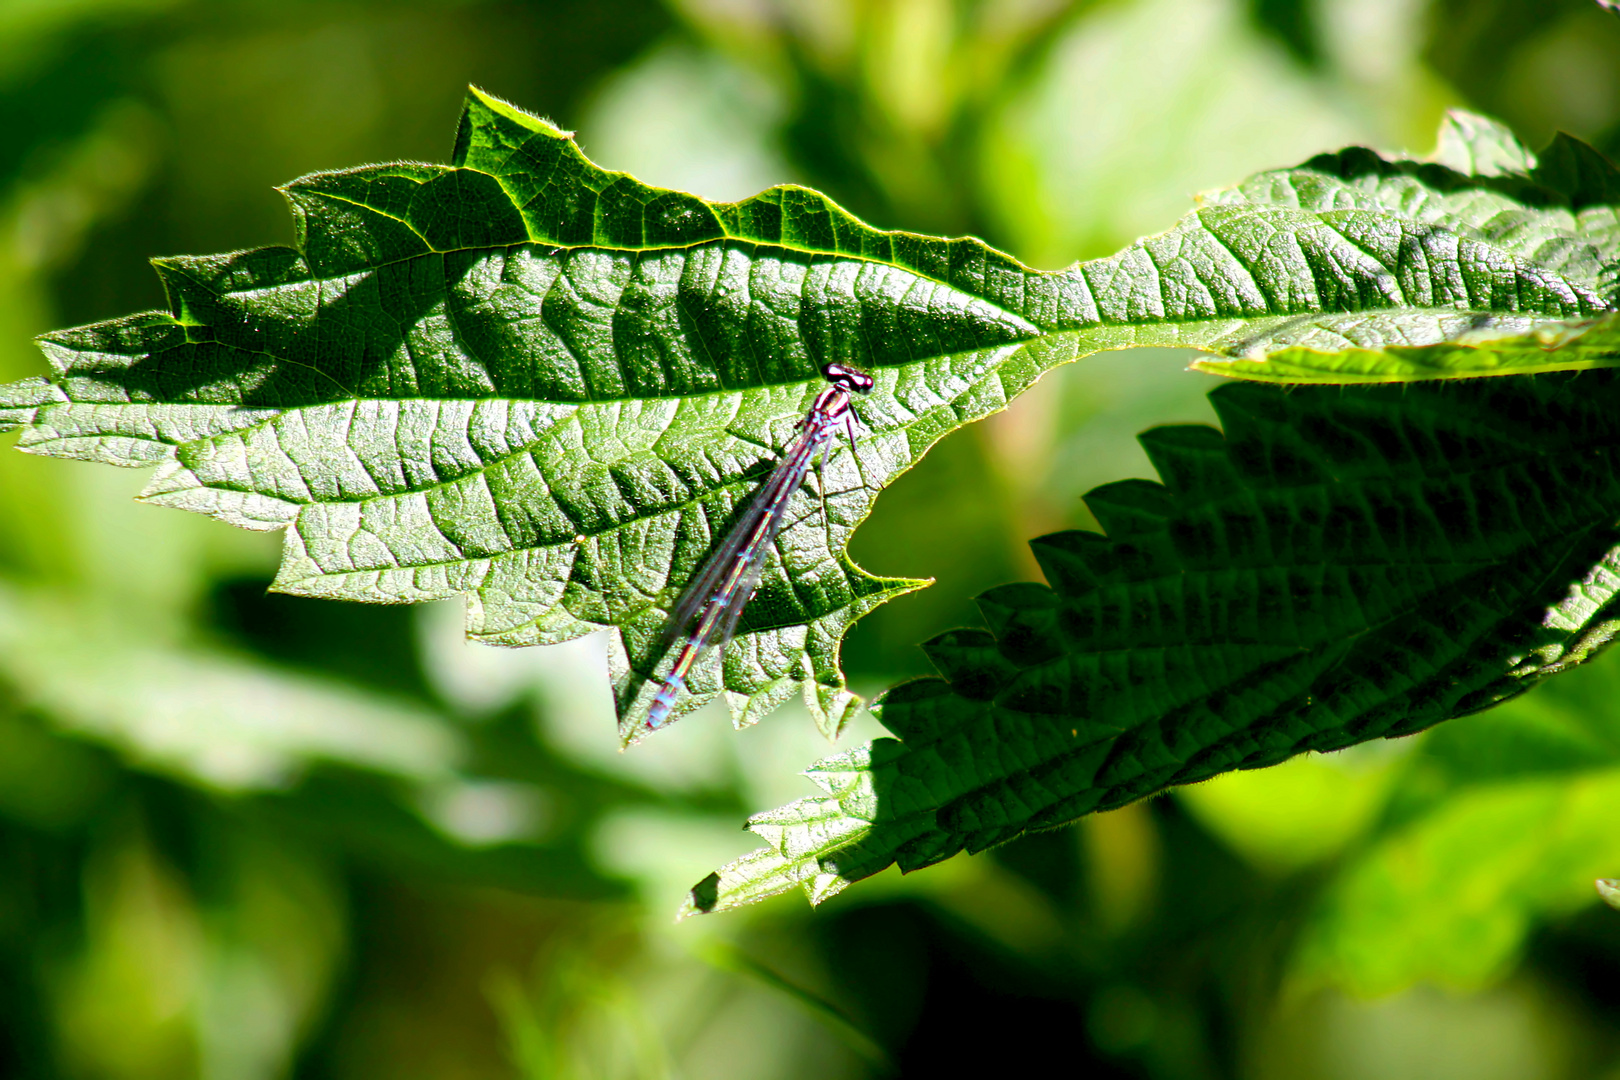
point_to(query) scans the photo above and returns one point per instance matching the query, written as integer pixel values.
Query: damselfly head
(847, 378)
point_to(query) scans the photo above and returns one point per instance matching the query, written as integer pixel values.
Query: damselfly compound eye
(847, 378)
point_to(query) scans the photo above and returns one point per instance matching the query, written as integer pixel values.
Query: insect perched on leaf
(708, 610)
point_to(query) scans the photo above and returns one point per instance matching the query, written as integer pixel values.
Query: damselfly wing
(707, 612)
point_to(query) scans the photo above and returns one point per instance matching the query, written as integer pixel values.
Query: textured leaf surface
(551, 387)
(1562, 213)
(1343, 564)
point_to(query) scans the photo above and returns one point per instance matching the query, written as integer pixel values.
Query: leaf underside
(551, 387)
(1343, 564)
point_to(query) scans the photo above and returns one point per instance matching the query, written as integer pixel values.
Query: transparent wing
(770, 500)
(738, 599)
(748, 581)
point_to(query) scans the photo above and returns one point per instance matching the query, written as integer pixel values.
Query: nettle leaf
(551, 387)
(1344, 564)
(1484, 187)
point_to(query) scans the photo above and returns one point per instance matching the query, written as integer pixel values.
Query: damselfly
(711, 605)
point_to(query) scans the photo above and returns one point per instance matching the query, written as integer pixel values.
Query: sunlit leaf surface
(551, 387)
(1485, 188)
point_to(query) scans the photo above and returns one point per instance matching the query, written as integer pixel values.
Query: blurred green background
(245, 836)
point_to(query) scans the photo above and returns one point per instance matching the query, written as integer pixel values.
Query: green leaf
(1479, 832)
(1555, 345)
(1452, 898)
(1344, 564)
(1494, 825)
(1563, 214)
(551, 387)
(1476, 145)
(160, 704)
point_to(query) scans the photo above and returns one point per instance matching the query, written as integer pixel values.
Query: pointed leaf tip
(1476, 145)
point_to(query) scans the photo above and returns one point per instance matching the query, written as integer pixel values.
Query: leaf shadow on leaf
(1569, 174)
(259, 329)
(1343, 564)
(544, 385)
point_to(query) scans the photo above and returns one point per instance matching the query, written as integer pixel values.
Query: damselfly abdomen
(708, 610)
